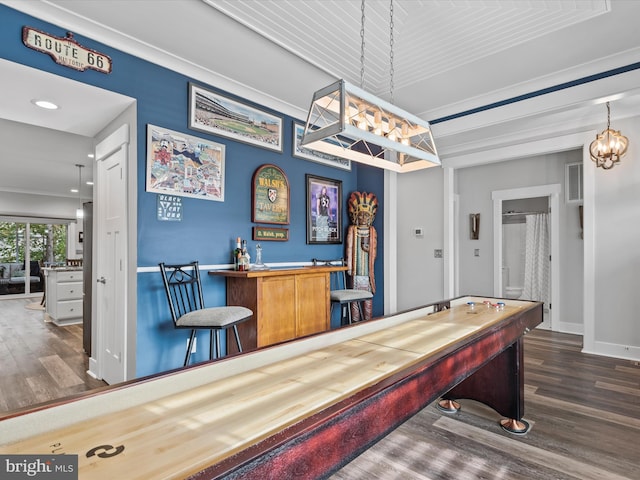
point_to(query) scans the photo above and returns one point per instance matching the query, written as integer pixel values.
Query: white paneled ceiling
(430, 37)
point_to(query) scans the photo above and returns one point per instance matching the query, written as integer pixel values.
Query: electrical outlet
(437, 253)
(193, 347)
(476, 252)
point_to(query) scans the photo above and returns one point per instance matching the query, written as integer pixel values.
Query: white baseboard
(567, 327)
(615, 350)
(93, 368)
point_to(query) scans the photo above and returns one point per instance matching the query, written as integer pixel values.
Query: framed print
(214, 113)
(270, 195)
(313, 155)
(324, 210)
(179, 164)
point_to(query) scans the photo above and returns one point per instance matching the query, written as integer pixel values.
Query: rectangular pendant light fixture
(348, 122)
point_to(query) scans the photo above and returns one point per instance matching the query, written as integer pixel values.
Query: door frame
(552, 191)
(117, 136)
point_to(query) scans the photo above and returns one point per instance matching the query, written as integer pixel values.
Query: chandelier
(348, 122)
(609, 146)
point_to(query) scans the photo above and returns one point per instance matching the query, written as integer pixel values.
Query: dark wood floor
(39, 361)
(585, 417)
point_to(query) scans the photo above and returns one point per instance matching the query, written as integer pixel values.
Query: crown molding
(593, 68)
(68, 20)
(511, 152)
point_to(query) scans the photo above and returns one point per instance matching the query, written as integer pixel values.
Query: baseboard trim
(93, 368)
(625, 352)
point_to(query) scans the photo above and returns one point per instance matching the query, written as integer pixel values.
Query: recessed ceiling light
(89, 183)
(91, 155)
(45, 104)
(74, 190)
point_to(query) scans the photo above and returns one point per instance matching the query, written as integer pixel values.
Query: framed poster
(179, 164)
(314, 155)
(324, 210)
(214, 113)
(270, 196)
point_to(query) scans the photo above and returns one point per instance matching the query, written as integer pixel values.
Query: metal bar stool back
(186, 304)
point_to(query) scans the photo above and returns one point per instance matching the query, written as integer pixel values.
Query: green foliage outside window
(48, 242)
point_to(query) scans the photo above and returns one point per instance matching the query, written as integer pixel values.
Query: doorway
(525, 249)
(88, 117)
(521, 201)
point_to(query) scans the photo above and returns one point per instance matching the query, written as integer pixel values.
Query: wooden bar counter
(298, 410)
(287, 303)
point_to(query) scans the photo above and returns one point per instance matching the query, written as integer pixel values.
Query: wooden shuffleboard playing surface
(179, 424)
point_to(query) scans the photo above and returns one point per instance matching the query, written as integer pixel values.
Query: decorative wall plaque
(270, 195)
(270, 233)
(169, 208)
(66, 51)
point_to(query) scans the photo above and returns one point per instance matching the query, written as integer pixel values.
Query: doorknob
(102, 280)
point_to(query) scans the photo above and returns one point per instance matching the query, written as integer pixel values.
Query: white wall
(420, 274)
(616, 237)
(43, 206)
(474, 187)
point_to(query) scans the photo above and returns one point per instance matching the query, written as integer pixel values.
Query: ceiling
(431, 40)
(449, 56)
(57, 140)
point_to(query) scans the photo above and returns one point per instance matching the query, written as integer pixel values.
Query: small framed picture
(313, 155)
(214, 113)
(183, 165)
(324, 210)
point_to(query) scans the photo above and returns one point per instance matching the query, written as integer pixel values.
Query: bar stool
(340, 294)
(186, 303)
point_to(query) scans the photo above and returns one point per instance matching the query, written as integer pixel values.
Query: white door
(110, 257)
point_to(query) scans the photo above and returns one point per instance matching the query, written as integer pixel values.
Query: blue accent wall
(371, 179)
(208, 230)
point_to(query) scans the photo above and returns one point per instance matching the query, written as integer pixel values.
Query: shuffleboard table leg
(448, 406)
(517, 427)
(499, 384)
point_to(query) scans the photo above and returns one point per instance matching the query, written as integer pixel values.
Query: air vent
(573, 182)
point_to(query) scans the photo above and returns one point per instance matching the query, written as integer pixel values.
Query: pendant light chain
(362, 46)
(608, 116)
(391, 72)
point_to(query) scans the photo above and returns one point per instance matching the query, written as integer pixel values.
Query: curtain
(536, 265)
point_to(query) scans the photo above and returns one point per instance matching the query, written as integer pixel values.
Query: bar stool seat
(219, 317)
(340, 294)
(186, 304)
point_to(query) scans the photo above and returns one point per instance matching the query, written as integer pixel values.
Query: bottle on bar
(243, 261)
(236, 254)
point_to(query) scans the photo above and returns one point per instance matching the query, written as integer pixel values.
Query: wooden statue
(362, 244)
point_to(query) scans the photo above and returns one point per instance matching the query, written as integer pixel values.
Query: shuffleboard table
(300, 409)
